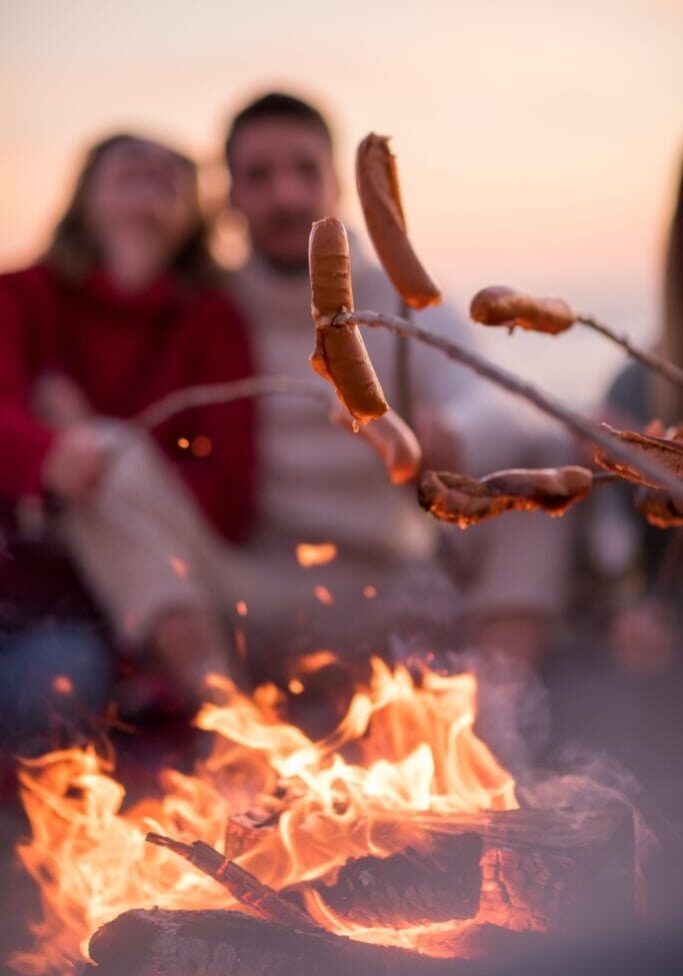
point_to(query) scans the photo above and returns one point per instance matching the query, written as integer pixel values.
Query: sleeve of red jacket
(24, 442)
(219, 465)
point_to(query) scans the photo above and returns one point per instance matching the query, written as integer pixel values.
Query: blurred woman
(124, 308)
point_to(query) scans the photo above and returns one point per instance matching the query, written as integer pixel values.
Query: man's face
(283, 179)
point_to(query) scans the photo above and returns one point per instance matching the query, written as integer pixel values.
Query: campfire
(398, 842)
(400, 828)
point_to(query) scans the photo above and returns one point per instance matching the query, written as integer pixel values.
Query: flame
(308, 554)
(415, 758)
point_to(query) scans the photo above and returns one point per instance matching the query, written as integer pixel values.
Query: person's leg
(54, 679)
(143, 546)
(519, 589)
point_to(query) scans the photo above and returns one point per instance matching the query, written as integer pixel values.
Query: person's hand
(58, 401)
(75, 464)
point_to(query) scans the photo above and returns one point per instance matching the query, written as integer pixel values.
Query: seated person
(646, 632)
(318, 484)
(124, 307)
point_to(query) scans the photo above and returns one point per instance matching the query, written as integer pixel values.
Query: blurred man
(318, 483)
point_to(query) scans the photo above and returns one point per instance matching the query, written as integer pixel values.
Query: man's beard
(287, 264)
(287, 267)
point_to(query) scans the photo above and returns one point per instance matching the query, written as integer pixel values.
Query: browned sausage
(340, 354)
(380, 197)
(393, 440)
(501, 305)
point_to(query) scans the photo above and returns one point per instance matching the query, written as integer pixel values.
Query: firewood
(563, 872)
(413, 887)
(225, 943)
(247, 889)
(528, 870)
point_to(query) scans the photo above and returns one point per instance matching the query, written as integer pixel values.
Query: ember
(308, 554)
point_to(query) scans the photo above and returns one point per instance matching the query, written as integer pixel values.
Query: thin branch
(650, 359)
(606, 478)
(244, 887)
(208, 393)
(578, 424)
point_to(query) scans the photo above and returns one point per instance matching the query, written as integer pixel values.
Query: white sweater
(318, 482)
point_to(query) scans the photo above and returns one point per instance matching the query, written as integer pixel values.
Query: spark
(62, 684)
(308, 554)
(323, 594)
(202, 446)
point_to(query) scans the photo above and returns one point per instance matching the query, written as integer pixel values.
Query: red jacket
(125, 352)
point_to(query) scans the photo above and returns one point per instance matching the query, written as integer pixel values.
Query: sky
(538, 140)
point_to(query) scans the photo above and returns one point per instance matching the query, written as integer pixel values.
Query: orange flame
(308, 554)
(417, 758)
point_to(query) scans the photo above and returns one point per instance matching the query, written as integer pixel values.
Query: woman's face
(142, 195)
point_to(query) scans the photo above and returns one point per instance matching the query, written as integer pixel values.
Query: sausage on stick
(340, 354)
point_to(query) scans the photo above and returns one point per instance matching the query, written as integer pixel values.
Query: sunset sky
(538, 140)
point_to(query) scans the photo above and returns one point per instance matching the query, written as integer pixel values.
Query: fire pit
(395, 843)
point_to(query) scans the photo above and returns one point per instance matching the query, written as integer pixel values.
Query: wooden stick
(247, 889)
(650, 359)
(207, 393)
(576, 423)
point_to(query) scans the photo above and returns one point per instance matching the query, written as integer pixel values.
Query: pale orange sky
(538, 140)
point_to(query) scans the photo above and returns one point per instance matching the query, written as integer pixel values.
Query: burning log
(527, 871)
(413, 887)
(224, 943)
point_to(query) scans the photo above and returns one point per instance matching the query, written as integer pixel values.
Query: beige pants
(144, 548)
